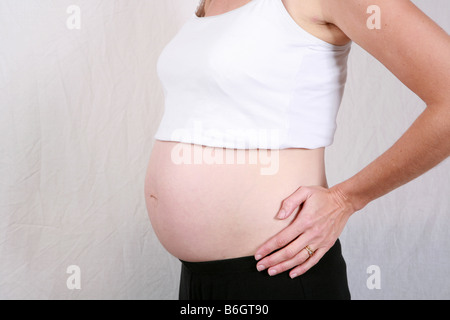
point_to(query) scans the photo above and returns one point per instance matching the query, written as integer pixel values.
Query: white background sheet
(78, 109)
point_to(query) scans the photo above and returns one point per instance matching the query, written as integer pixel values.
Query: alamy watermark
(374, 280)
(73, 282)
(374, 21)
(249, 146)
(73, 22)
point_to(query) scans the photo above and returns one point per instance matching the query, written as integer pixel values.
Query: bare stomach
(221, 205)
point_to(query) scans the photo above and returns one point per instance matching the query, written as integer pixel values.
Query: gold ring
(310, 252)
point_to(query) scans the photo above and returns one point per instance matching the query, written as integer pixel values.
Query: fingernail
(272, 272)
(293, 275)
(257, 257)
(260, 267)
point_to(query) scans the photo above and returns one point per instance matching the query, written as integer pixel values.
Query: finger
(280, 240)
(308, 264)
(291, 203)
(299, 259)
(289, 252)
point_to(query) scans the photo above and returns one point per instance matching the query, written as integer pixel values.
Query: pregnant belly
(203, 208)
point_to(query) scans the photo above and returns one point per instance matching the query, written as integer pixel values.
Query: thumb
(291, 203)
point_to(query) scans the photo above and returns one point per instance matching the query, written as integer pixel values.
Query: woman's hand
(319, 223)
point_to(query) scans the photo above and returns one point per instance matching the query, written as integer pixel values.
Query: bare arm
(417, 51)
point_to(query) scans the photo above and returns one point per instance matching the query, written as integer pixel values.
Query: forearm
(424, 145)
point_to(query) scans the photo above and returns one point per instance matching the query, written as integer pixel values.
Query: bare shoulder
(309, 15)
(402, 37)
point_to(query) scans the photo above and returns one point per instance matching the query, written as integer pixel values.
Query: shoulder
(400, 36)
(310, 15)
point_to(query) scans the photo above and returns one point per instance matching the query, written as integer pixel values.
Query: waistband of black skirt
(234, 265)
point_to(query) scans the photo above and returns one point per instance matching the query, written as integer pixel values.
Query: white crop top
(251, 78)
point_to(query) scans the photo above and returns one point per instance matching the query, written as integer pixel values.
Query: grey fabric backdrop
(78, 109)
